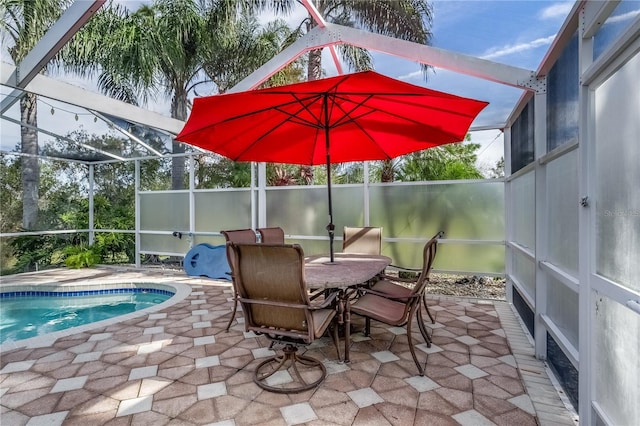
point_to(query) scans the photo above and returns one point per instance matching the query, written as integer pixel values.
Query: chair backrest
(366, 240)
(272, 291)
(428, 256)
(240, 235)
(274, 235)
(237, 236)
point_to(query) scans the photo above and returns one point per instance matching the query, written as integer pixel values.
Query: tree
(404, 19)
(498, 170)
(288, 174)
(232, 54)
(154, 50)
(64, 204)
(446, 162)
(215, 171)
(170, 47)
(11, 216)
(25, 22)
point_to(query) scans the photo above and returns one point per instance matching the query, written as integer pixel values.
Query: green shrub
(80, 257)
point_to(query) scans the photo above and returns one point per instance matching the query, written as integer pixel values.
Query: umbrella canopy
(353, 117)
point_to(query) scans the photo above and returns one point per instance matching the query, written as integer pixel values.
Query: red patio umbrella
(353, 117)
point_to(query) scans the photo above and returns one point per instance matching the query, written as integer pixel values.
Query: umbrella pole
(330, 226)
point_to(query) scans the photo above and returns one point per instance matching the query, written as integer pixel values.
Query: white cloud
(518, 48)
(411, 75)
(558, 10)
(624, 17)
(293, 19)
(132, 5)
(491, 147)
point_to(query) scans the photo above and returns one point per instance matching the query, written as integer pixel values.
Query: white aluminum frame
(73, 18)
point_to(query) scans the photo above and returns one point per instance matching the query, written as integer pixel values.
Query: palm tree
(446, 162)
(25, 22)
(242, 47)
(154, 51)
(404, 19)
(170, 47)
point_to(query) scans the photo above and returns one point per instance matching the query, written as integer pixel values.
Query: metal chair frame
(272, 235)
(236, 236)
(400, 308)
(273, 295)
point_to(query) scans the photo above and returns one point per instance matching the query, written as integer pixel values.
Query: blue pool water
(29, 314)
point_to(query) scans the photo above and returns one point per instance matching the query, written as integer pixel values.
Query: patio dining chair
(365, 240)
(273, 235)
(236, 236)
(273, 295)
(398, 287)
(399, 311)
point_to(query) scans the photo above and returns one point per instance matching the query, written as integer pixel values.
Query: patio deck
(178, 366)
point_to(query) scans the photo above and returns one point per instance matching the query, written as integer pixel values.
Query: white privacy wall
(616, 332)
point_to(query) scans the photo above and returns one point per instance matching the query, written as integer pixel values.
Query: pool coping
(182, 291)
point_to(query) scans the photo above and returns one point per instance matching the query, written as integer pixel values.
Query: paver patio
(178, 366)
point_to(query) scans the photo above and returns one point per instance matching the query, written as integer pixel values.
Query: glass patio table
(348, 270)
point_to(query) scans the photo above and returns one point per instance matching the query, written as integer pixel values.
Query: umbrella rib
(304, 106)
(346, 118)
(314, 96)
(271, 108)
(292, 117)
(353, 118)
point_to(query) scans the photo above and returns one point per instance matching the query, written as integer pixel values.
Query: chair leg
(233, 313)
(290, 360)
(424, 302)
(411, 348)
(336, 340)
(367, 326)
(423, 329)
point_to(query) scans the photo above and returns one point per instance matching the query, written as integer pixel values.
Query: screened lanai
(562, 225)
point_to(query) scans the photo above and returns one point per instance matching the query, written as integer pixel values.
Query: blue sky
(517, 33)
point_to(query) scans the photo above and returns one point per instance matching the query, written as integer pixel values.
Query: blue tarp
(207, 260)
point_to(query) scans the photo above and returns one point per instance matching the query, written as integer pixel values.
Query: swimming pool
(27, 312)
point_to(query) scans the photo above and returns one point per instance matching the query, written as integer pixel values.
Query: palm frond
(409, 20)
(357, 58)
(26, 21)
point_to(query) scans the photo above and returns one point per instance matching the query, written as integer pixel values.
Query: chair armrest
(399, 279)
(387, 296)
(315, 293)
(272, 303)
(404, 269)
(326, 302)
